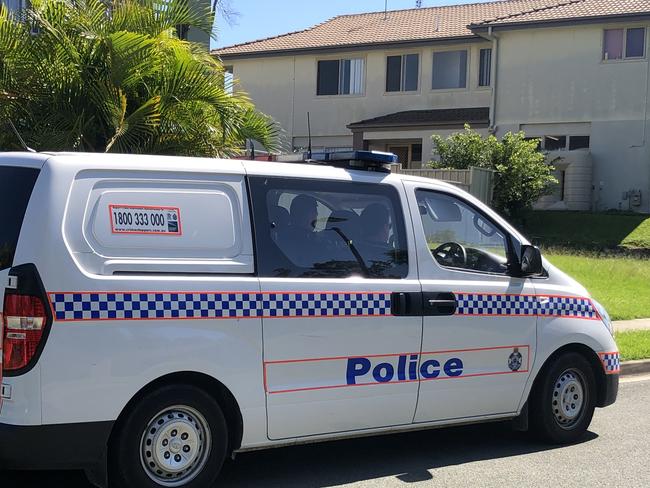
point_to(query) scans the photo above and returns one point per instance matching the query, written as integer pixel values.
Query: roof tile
(431, 23)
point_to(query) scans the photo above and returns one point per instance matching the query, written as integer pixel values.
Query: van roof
(198, 164)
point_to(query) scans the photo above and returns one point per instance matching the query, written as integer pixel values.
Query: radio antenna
(20, 139)
(308, 137)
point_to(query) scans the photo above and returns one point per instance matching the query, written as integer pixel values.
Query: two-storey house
(574, 73)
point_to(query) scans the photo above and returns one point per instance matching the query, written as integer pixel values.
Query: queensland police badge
(515, 359)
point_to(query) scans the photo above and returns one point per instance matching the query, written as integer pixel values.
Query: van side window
(16, 185)
(328, 229)
(459, 236)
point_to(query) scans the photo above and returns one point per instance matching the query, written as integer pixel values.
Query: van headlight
(604, 317)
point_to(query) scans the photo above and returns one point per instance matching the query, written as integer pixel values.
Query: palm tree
(114, 76)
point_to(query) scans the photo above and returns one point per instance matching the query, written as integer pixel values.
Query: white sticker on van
(145, 219)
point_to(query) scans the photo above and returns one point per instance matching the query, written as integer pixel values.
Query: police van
(161, 314)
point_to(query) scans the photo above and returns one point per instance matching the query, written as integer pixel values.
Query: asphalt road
(616, 451)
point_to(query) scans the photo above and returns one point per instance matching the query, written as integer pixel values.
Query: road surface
(616, 452)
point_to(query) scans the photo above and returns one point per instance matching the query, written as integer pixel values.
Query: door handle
(437, 303)
(407, 304)
(440, 303)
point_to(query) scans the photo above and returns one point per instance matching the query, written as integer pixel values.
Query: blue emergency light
(362, 160)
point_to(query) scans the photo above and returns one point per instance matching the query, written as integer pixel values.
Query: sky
(264, 18)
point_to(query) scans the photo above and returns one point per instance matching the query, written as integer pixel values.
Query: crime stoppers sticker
(145, 219)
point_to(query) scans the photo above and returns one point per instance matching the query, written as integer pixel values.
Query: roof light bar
(363, 160)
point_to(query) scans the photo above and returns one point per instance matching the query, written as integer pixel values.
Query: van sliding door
(332, 257)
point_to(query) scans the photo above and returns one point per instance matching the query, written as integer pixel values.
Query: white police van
(162, 313)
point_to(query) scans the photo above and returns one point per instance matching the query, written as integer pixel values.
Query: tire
(564, 400)
(176, 436)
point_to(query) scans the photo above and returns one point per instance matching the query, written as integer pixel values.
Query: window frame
(402, 57)
(625, 58)
(468, 61)
(511, 254)
(340, 60)
(257, 202)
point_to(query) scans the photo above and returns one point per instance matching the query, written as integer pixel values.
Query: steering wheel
(452, 253)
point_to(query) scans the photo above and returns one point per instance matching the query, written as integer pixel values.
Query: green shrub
(522, 174)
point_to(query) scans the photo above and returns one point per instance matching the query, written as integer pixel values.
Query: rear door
(331, 257)
(16, 185)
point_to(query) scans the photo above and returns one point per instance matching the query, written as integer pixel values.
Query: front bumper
(608, 391)
(60, 446)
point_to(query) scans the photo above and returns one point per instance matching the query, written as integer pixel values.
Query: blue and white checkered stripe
(161, 305)
(494, 304)
(611, 362)
(567, 307)
(518, 305)
(324, 304)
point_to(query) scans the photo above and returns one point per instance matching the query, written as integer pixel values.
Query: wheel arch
(207, 383)
(590, 355)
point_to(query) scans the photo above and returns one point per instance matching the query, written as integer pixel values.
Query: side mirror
(531, 261)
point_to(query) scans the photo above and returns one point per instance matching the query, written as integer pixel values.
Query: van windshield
(16, 185)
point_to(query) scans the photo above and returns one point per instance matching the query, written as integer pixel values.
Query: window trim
(401, 91)
(468, 63)
(391, 192)
(339, 59)
(510, 248)
(624, 58)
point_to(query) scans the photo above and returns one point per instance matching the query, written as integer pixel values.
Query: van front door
(330, 256)
(479, 333)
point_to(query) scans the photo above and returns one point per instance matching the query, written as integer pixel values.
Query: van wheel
(563, 402)
(176, 436)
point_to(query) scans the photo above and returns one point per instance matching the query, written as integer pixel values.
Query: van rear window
(16, 185)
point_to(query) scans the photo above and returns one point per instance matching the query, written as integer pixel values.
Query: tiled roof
(573, 10)
(460, 116)
(426, 24)
(394, 26)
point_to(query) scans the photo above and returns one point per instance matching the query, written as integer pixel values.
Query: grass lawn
(621, 283)
(634, 344)
(584, 230)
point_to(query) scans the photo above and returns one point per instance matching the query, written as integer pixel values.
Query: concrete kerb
(633, 367)
(641, 366)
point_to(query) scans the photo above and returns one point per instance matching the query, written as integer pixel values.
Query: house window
(485, 67)
(579, 142)
(449, 70)
(402, 72)
(624, 43)
(340, 77)
(635, 43)
(416, 152)
(555, 143)
(228, 80)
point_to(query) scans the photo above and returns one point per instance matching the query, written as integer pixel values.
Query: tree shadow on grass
(585, 231)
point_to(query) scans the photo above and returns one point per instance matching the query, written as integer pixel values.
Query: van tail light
(24, 321)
